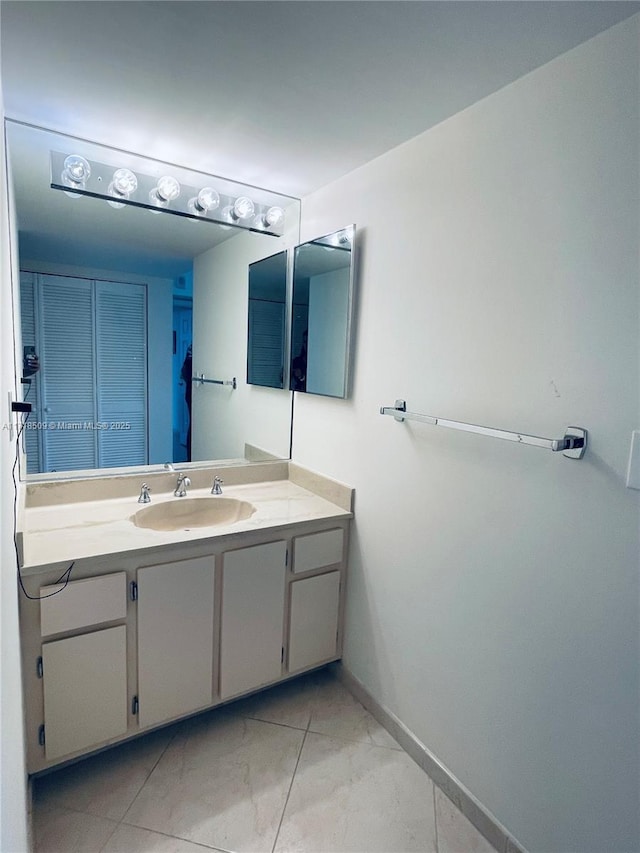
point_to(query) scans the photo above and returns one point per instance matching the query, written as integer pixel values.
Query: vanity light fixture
(166, 191)
(206, 200)
(163, 188)
(123, 184)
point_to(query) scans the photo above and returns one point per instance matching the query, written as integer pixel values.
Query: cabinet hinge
(286, 557)
(133, 591)
(39, 668)
(282, 655)
(41, 735)
(134, 705)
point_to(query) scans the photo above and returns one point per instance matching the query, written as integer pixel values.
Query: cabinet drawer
(82, 603)
(317, 550)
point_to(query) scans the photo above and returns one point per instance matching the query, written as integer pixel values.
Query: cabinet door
(313, 626)
(175, 639)
(253, 589)
(85, 690)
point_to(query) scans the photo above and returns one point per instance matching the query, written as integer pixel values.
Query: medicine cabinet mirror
(323, 284)
(115, 299)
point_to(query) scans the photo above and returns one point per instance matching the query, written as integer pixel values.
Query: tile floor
(300, 768)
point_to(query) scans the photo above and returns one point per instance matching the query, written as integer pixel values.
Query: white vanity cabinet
(252, 620)
(140, 639)
(175, 638)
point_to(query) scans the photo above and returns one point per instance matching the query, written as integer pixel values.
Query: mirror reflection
(121, 306)
(321, 314)
(267, 321)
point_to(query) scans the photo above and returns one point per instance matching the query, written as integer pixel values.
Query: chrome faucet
(144, 498)
(181, 486)
(216, 489)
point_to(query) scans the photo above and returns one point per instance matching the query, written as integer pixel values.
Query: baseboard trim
(483, 820)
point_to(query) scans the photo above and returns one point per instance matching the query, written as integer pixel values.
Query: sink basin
(186, 513)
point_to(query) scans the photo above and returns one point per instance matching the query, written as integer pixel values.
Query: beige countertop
(90, 528)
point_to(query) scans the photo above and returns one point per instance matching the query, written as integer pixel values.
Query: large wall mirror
(121, 305)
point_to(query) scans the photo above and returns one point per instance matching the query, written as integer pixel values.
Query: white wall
(13, 824)
(493, 592)
(159, 346)
(223, 419)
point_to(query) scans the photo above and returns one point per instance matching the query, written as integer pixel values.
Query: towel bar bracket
(575, 439)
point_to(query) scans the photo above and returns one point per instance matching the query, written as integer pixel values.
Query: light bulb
(273, 217)
(340, 238)
(166, 190)
(243, 208)
(123, 184)
(76, 171)
(206, 200)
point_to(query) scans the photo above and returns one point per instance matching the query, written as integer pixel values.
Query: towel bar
(573, 444)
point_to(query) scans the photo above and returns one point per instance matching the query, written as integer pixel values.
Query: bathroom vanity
(154, 625)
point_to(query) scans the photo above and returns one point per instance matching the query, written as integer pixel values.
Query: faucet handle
(144, 494)
(181, 486)
(216, 489)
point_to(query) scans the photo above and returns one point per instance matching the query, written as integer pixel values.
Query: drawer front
(317, 550)
(81, 603)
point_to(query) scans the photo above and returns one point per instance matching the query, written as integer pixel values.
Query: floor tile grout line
(120, 822)
(146, 778)
(113, 832)
(176, 837)
(293, 776)
(274, 723)
(357, 740)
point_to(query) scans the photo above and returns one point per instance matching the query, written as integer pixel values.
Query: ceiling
(284, 95)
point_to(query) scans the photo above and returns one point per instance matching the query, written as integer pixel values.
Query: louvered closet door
(121, 349)
(67, 373)
(266, 343)
(28, 314)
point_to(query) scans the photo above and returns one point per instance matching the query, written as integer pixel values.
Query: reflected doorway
(182, 337)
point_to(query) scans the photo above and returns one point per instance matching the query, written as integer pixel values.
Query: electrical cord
(66, 575)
